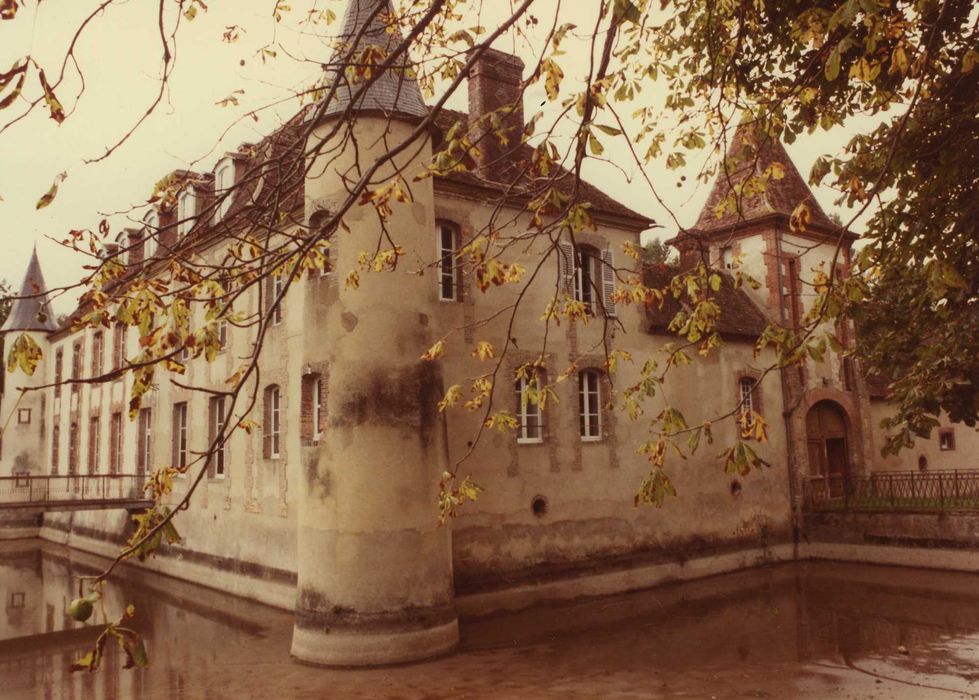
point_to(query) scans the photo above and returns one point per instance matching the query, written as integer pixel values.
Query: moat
(811, 630)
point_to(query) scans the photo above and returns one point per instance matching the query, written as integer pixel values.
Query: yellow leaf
(483, 351)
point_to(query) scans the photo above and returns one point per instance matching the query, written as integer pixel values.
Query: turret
(24, 412)
(759, 232)
(374, 568)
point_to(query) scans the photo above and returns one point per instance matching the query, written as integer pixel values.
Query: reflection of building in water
(207, 644)
(330, 507)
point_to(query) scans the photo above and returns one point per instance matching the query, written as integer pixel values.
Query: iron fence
(908, 490)
(27, 489)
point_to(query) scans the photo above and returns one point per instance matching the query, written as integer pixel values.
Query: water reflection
(813, 630)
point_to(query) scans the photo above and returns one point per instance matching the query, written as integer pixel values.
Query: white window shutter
(566, 268)
(608, 281)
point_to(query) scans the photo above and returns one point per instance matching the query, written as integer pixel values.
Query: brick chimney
(134, 240)
(495, 83)
(693, 250)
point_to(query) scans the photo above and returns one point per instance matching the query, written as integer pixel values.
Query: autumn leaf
(57, 110)
(483, 351)
(24, 354)
(52, 192)
(8, 9)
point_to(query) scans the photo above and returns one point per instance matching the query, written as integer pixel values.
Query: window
(589, 405)
(16, 599)
(145, 436)
(55, 449)
(222, 335)
(272, 447)
(94, 433)
(76, 365)
(449, 271)
(216, 421)
(275, 290)
(186, 210)
(312, 409)
(727, 258)
(185, 350)
(98, 350)
(531, 427)
(73, 449)
(179, 437)
(224, 180)
(24, 416)
(748, 402)
(588, 276)
(587, 264)
(59, 363)
(946, 439)
(792, 292)
(152, 221)
(115, 443)
(119, 345)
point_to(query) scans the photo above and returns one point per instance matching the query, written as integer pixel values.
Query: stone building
(330, 508)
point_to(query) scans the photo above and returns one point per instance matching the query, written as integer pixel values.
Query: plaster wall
(963, 455)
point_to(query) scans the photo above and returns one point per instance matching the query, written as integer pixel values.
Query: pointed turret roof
(396, 91)
(748, 155)
(29, 311)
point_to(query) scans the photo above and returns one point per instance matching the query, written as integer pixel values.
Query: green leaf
(832, 69)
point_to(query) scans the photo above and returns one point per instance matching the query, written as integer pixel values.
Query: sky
(119, 56)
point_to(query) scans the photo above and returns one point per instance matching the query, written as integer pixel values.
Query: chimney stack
(134, 240)
(495, 85)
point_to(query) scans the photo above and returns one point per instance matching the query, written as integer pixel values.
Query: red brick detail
(495, 83)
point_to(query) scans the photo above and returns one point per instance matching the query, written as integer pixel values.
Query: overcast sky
(120, 58)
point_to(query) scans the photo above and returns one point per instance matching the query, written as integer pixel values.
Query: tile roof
(739, 314)
(526, 187)
(29, 310)
(747, 156)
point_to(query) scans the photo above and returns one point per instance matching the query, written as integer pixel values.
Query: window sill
(530, 441)
(598, 438)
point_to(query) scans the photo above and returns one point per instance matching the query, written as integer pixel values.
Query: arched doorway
(826, 436)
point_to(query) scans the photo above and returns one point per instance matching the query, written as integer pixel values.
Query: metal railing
(907, 490)
(42, 490)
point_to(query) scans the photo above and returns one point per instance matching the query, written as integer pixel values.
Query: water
(814, 630)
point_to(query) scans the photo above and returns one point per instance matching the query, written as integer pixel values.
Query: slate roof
(394, 91)
(739, 314)
(29, 311)
(781, 197)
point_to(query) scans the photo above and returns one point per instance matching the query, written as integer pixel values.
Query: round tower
(374, 567)
(23, 412)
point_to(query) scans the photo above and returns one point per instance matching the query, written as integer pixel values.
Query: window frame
(748, 401)
(589, 420)
(94, 438)
(144, 446)
(272, 427)
(449, 276)
(525, 410)
(23, 416)
(119, 338)
(180, 437)
(98, 354)
(224, 181)
(151, 224)
(115, 443)
(59, 369)
(217, 419)
(55, 448)
(948, 433)
(187, 199)
(275, 287)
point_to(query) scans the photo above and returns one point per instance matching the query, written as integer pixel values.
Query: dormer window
(152, 222)
(186, 210)
(224, 180)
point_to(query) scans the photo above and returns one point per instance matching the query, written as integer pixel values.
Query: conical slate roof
(29, 311)
(395, 92)
(780, 197)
